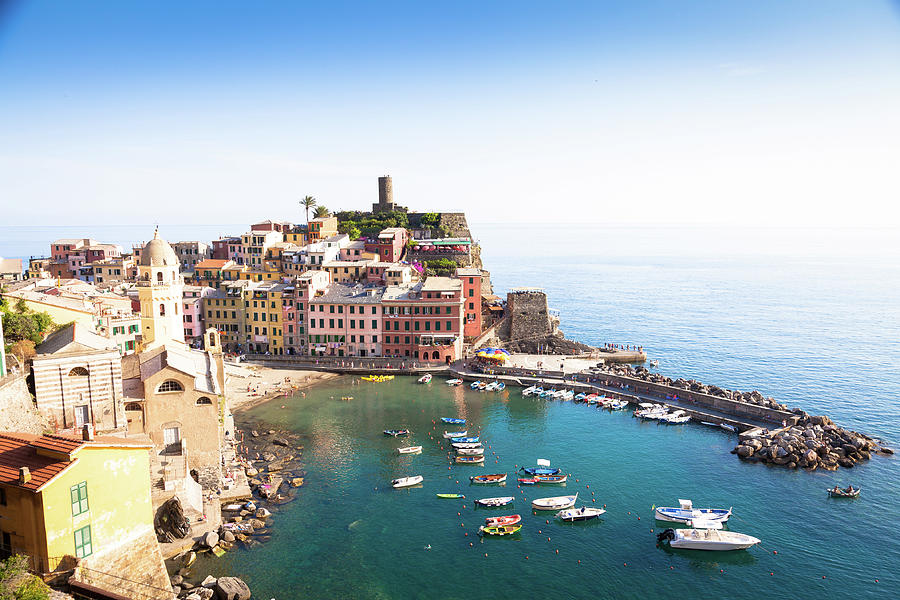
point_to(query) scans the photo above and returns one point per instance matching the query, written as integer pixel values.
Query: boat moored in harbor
(396, 432)
(410, 450)
(686, 512)
(499, 501)
(402, 482)
(554, 503)
(584, 513)
(706, 536)
(492, 478)
(470, 460)
(453, 420)
(426, 378)
(449, 435)
(499, 530)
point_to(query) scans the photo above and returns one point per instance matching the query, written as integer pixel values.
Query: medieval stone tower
(385, 196)
(160, 290)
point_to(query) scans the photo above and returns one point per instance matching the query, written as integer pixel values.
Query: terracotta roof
(21, 450)
(211, 263)
(18, 450)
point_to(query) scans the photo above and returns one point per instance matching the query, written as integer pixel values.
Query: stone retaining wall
(17, 410)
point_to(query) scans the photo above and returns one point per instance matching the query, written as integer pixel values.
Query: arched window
(162, 310)
(159, 278)
(78, 372)
(173, 275)
(133, 406)
(435, 355)
(203, 400)
(170, 385)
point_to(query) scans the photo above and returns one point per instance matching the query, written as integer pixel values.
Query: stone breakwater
(804, 441)
(693, 385)
(813, 443)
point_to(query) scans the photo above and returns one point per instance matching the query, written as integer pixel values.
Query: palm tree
(321, 211)
(308, 202)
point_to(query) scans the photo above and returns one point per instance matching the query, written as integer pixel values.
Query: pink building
(193, 312)
(424, 321)
(389, 244)
(345, 320)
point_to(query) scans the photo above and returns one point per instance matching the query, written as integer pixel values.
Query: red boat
(501, 521)
(527, 480)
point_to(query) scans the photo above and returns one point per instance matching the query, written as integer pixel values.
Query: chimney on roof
(87, 433)
(24, 475)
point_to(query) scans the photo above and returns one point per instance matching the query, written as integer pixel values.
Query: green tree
(16, 583)
(321, 211)
(308, 202)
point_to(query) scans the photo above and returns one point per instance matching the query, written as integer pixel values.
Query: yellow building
(68, 502)
(322, 228)
(265, 318)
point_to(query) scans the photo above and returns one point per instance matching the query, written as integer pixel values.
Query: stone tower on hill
(386, 196)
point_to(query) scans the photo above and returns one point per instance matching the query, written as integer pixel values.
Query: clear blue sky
(754, 112)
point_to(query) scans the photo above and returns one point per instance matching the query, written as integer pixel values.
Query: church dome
(158, 253)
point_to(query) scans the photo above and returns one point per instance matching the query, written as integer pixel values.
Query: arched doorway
(134, 416)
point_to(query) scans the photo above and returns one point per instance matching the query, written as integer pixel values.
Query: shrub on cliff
(16, 583)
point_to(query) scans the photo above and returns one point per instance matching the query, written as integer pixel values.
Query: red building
(389, 244)
(471, 280)
(424, 321)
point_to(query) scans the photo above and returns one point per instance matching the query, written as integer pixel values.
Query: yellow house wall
(23, 518)
(119, 507)
(57, 313)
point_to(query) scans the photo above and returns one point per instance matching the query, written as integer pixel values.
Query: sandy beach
(251, 385)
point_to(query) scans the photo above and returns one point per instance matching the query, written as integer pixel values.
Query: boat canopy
(686, 504)
(543, 462)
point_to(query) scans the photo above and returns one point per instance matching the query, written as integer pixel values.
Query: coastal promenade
(352, 365)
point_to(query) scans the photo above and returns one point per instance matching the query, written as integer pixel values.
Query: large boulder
(744, 451)
(231, 588)
(811, 456)
(211, 539)
(209, 582)
(170, 523)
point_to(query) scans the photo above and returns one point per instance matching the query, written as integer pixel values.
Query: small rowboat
(470, 451)
(580, 514)
(554, 503)
(850, 492)
(466, 440)
(410, 450)
(459, 445)
(470, 460)
(527, 480)
(500, 501)
(686, 512)
(504, 520)
(396, 432)
(550, 478)
(426, 378)
(454, 382)
(493, 478)
(453, 420)
(450, 495)
(476, 385)
(501, 530)
(540, 471)
(402, 482)
(449, 435)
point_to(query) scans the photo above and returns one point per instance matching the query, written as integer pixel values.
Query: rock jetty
(644, 374)
(815, 442)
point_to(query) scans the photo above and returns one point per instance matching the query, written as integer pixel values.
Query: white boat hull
(711, 539)
(403, 482)
(454, 434)
(410, 450)
(555, 503)
(470, 451)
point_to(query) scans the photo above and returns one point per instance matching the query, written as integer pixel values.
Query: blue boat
(453, 420)
(471, 440)
(540, 471)
(476, 385)
(500, 386)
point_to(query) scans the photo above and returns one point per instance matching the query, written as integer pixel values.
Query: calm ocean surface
(811, 317)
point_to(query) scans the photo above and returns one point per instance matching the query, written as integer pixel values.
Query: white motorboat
(491, 386)
(426, 378)
(568, 395)
(676, 418)
(580, 514)
(529, 390)
(728, 427)
(686, 512)
(454, 382)
(653, 363)
(651, 411)
(455, 434)
(470, 451)
(554, 503)
(707, 535)
(616, 404)
(410, 450)
(402, 482)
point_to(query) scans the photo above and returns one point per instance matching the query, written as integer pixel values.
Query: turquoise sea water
(811, 317)
(808, 317)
